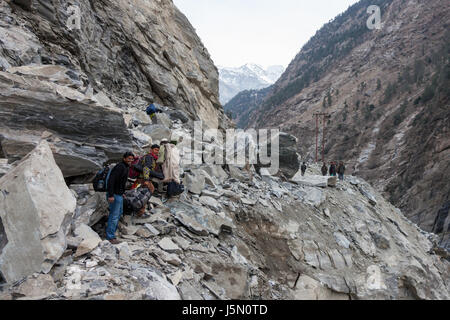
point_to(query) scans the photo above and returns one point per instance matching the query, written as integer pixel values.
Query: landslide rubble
(259, 238)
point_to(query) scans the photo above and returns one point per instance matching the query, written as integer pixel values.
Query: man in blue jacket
(114, 192)
(152, 110)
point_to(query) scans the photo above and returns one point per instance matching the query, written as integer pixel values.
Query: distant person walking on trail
(341, 170)
(333, 169)
(152, 110)
(115, 191)
(303, 168)
(324, 169)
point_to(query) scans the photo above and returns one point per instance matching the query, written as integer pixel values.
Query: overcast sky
(266, 32)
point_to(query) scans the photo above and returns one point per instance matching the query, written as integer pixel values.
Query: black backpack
(174, 189)
(101, 178)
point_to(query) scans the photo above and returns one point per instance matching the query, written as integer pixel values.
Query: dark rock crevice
(3, 238)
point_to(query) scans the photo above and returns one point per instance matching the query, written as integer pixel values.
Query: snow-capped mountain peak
(233, 80)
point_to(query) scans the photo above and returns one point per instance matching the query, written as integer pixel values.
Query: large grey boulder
(286, 153)
(237, 173)
(36, 287)
(141, 118)
(90, 239)
(216, 171)
(178, 115)
(159, 288)
(157, 132)
(314, 180)
(83, 132)
(162, 119)
(36, 208)
(194, 183)
(289, 160)
(199, 220)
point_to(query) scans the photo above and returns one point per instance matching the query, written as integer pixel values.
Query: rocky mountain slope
(68, 105)
(247, 77)
(82, 86)
(233, 234)
(387, 95)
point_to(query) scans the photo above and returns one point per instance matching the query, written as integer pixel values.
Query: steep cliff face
(386, 92)
(75, 83)
(130, 49)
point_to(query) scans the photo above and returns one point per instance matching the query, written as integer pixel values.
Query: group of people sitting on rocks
(340, 169)
(132, 182)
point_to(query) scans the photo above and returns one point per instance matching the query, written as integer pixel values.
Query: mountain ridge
(233, 80)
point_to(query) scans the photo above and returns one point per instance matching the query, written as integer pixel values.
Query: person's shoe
(114, 241)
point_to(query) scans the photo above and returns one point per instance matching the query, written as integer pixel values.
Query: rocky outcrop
(133, 51)
(285, 152)
(78, 87)
(36, 209)
(82, 132)
(314, 180)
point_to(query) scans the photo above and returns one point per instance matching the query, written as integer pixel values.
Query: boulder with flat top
(36, 209)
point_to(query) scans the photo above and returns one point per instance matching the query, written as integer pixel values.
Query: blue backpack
(100, 182)
(151, 109)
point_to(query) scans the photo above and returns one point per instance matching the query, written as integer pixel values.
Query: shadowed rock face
(83, 133)
(3, 237)
(442, 225)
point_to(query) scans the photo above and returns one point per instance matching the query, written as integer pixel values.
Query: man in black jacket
(324, 169)
(341, 170)
(303, 168)
(114, 192)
